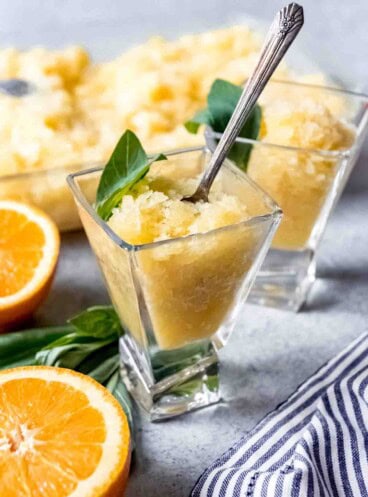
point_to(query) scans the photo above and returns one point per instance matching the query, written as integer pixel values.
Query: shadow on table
(320, 297)
(77, 284)
(359, 179)
(324, 294)
(349, 274)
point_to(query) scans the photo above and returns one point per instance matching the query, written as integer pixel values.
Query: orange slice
(62, 434)
(29, 248)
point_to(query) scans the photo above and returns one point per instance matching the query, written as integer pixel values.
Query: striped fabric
(315, 444)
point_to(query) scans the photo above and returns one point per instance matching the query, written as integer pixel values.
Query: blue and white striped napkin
(315, 444)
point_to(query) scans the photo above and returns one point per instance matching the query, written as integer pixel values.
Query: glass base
(284, 280)
(181, 380)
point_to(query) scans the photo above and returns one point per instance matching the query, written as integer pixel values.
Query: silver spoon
(16, 87)
(282, 33)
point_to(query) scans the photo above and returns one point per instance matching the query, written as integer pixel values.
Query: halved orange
(62, 434)
(29, 249)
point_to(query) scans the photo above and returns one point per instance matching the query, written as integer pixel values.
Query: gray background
(271, 352)
(335, 31)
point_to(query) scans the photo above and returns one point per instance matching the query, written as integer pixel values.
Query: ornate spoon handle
(283, 31)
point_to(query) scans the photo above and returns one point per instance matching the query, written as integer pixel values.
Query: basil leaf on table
(119, 391)
(221, 102)
(88, 344)
(19, 348)
(128, 164)
(99, 322)
(70, 350)
(92, 330)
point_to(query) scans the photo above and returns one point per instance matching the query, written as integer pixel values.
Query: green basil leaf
(104, 368)
(92, 330)
(71, 353)
(19, 348)
(120, 392)
(98, 322)
(221, 102)
(89, 344)
(240, 152)
(128, 164)
(201, 117)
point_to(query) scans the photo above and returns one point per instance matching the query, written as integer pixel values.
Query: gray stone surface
(271, 352)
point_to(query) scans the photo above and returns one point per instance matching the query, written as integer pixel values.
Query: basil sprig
(128, 164)
(221, 102)
(88, 344)
(19, 348)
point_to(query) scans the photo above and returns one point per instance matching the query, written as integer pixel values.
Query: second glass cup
(178, 298)
(306, 183)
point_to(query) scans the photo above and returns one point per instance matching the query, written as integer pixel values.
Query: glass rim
(275, 211)
(328, 88)
(210, 133)
(76, 166)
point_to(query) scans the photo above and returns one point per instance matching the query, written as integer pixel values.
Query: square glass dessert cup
(178, 299)
(306, 183)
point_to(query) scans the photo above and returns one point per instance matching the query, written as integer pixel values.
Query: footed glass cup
(307, 184)
(178, 299)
